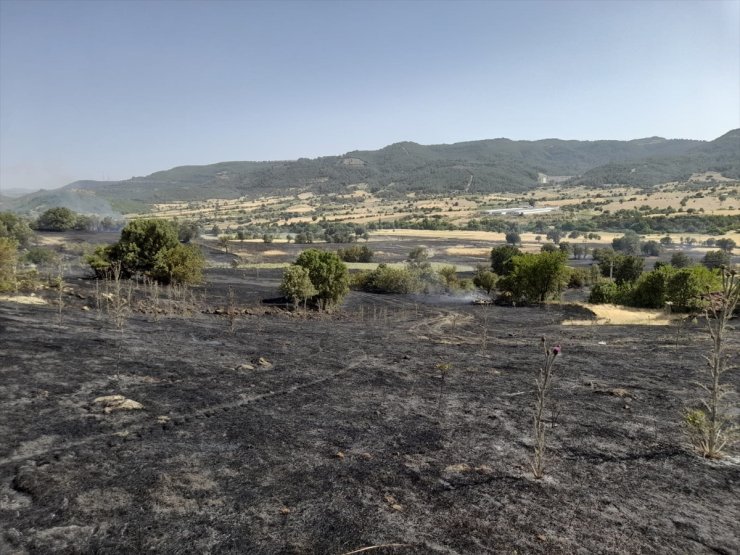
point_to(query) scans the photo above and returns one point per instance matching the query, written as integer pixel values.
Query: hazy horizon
(112, 90)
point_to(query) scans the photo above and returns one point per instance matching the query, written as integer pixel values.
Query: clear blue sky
(109, 89)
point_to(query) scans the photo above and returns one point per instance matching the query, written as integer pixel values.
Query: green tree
(726, 244)
(297, 285)
(57, 219)
(650, 289)
(680, 260)
(16, 228)
(449, 276)
(687, 285)
(716, 259)
(187, 231)
(650, 248)
(513, 238)
(549, 247)
(629, 243)
(555, 235)
(223, 242)
(179, 264)
(328, 274)
(485, 279)
(389, 279)
(603, 292)
(627, 268)
(356, 253)
(150, 247)
(418, 258)
(140, 243)
(8, 260)
(536, 277)
(41, 256)
(501, 259)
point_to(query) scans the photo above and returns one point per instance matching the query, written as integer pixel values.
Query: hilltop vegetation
(486, 166)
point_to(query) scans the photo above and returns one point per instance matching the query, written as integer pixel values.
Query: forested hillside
(476, 166)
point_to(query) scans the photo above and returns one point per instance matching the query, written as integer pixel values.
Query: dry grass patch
(609, 314)
(433, 234)
(22, 299)
(469, 251)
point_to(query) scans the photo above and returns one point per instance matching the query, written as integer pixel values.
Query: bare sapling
(710, 428)
(60, 290)
(544, 386)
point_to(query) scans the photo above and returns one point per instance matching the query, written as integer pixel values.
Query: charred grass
(325, 433)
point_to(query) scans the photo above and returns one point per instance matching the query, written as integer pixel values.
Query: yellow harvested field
(469, 251)
(300, 208)
(433, 234)
(609, 314)
(273, 252)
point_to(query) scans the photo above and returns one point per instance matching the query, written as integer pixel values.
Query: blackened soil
(345, 435)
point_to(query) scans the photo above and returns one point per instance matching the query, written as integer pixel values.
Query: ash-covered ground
(263, 430)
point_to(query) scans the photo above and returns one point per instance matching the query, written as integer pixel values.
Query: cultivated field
(363, 207)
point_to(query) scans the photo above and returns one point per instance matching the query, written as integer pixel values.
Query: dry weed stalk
(231, 310)
(444, 368)
(710, 428)
(118, 305)
(60, 286)
(544, 385)
(484, 332)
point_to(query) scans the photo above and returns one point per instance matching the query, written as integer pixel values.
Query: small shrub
(356, 253)
(40, 255)
(485, 279)
(389, 279)
(680, 260)
(579, 277)
(297, 285)
(603, 292)
(449, 276)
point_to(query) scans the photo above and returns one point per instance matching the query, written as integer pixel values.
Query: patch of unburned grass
(609, 314)
(22, 299)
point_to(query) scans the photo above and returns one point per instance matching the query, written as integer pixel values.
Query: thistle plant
(544, 386)
(710, 428)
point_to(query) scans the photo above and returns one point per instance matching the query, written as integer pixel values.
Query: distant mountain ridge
(492, 165)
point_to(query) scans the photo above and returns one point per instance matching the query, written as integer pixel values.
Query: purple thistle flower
(556, 350)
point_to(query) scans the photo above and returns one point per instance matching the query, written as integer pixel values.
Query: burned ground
(281, 432)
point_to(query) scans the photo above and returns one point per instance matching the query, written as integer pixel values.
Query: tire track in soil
(137, 431)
